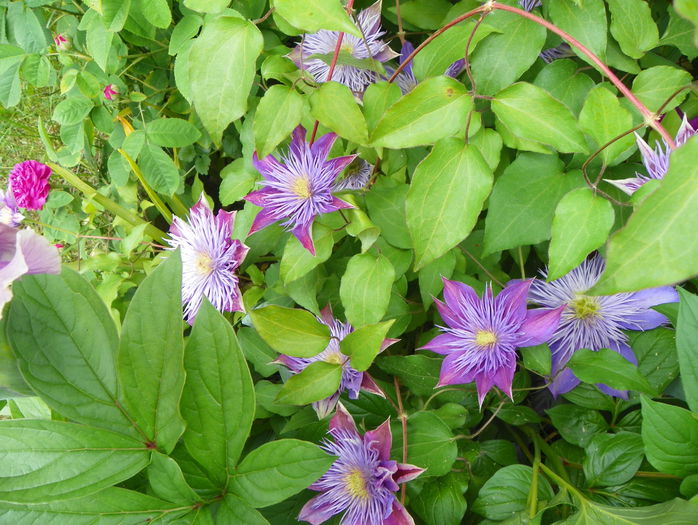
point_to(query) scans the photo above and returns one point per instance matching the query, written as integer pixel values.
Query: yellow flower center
(204, 264)
(585, 307)
(301, 188)
(485, 338)
(355, 483)
(335, 359)
(347, 47)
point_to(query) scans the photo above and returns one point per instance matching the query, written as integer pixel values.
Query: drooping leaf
(291, 331)
(334, 106)
(278, 113)
(317, 381)
(313, 15)
(365, 288)
(364, 344)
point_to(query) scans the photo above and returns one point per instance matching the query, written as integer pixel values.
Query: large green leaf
(633, 27)
(172, 132)
(335, 107)
(222, 67)
(151, 355)
(507, 492)
(218, 399)
(296, 261)
(609, 368)
(207, 6)
(654, 86)
(278, 470)
(577, 425)
(613, 459)
(236, 510)
(365, 288)
(157, 12)
(364, 344)
(587, 24)
(656, 246)
(52, 460)
(66, 344)
(445, 198)
(604, 119)
(278, 113)
(441, 501)
(532, 113)
(686, 337)
(688, 9)
(317, 381)
(674, 512)
(291, 331)
(167, 480)
(430, 443)
(159, 169)
(313, 15)
(386, 207)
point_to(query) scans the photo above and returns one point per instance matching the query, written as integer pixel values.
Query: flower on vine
(314, 53)
(357, 176)
(9, 211)
(352, 380)
(29, 185)
(362, 481)
(60, 41)
(561, 51)
(23, 252)
(595, 322)
(406, 79)
(482, 334)
(530, 5)
(299, 188)
(209, 259)
(110, 91)
(656, 161)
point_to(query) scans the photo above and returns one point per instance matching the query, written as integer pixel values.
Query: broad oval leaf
(314, 15)
(609, 368)
(613, 459)
(633, 27)
(278, 113)
(364, 344)
(587, 24)
(172, 132)
(365, 288)
(291, 331)
(297, 261)
(159, 169)
(317, 381)
(167, 481)
(654, 86)
(334, 106)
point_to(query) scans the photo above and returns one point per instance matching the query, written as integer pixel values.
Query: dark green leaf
(612, 459)
(656, 354)
(575, 424)
(431, 443)
(686, 337)
(167, 481)
(442, 501)
(609, 368)
(236, 510)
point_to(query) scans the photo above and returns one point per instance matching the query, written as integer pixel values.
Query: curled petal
(325, 407)
(318, 510)
(399, 516)
(322, 146)
(646, 319)
(342, 420)
(369, 385)
(513, 297)
(504, 378)
(451, 374)
(340, 204)
(456, 292)
(483, 383)
(267, 166)
(628, 186)
(382, 440)
(263, 219)
(406, 472)
(302, 233)
(443, 344)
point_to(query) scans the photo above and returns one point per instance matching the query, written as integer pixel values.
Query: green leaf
(157, 12)
(656, 354)
(424, 14)
(377, 98)
(445, 198)
(297, 261)
(159, 169)
(431, 443)
(688, 10)
(655, 85)
(291, 331)
(612, 459)
(365, 288)
(72, 111)
(537, 358)
(53, 460)
(222, 65)
(604, 119)
(506, 492)
(523, 201)
(278, 470)
(278, 113)
(317, 381)
(66, 344)
(151, 355)
(686, 337)
(419, 373)
(333, 104)
(431, 277)
(633, 27)
(656, 246)
(609, 368)
(676, 512)
(186, 29)
(532, 113)
(115, 13)
(386, 207)
(670, 435)
(563, 80)
(314, 15)
(172, 132)
(679, 32)
(435, 109)
(441, 501)
(218, 399)
(207, 6)
(236, 510)
(167, 481)
(577, 425)
(364, 344)
(581, 224)
(587, 24)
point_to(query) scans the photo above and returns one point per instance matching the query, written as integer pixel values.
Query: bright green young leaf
(577, 425)
(377, 98)
(432, 275)
(604, 119)
(291, 331)
(613, 459)
(633, 27)
(151, 354)
(445, 198)
(581, 224)
(507, 492)
(218, 399)
(386, 208)
(364, 344)
(365, 288)
(72, 110)
(537, 358)
(167, 481)
(172, 132)
(236, 510)
(222, 66)
(688, 9)
(115, 13)
(587, 24)
(207, 6)
(313, 15)
(655, 85)
(278, 113)
(656, 353)
(435, 109)
(441, 502)
(238, 180)
(431, 444)
(317, 381)
(652, 249)
(424, 14)
(686, 337)
(609, 368)
(186, 29)
(532, 113)
(679, 32)
(563, 80)
(157, 12)
(670, 435)
(278, 470)
(297, 261)
(159, 169)
(52, 460)
(333, 104)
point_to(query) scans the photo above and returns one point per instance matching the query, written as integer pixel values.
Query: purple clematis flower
(29, 184)
(656, 161)
(299, 188)
(530, 5)
(595, 322)
(352, 380)
(324, 43)
(23, 252)
(483, 334)
(363, 481)
(209, 259)
(561, 51)
(9, 211)
(406, 79)
(357, 176)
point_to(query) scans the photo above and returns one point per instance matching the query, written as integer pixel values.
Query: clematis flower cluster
(352, 380)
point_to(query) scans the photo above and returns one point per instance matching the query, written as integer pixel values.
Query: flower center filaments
(585, 307)
(355, 483)
(335, 359)
(204, 264)
(485, 338)
(301, 188)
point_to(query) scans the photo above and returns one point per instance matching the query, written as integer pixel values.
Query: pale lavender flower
(352, 380)
(357, 176)
(362, 481)
(483, 334)
(299, 188)
(530, 5)
(9, 211)
(324, 42)
(209, 259)
(562, 51)
(656, 161)
(406, 79)
(595, 322)
(23, 252)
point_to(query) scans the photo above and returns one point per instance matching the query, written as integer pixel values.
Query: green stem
(533, 491)
(178, 206)
(164, 211)
(553, 456)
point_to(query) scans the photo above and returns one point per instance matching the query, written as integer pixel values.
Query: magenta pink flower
(110, 91)
(60, 41)
(29, 184)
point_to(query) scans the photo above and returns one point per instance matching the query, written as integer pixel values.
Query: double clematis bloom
(363, 481)
(29, 184)
(209, 259)
(595, 322)
(357, 176)
(352, 380)
(656, 161)
(299, 188)
(324, 42)
(406, 79)
(482, 334)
